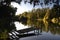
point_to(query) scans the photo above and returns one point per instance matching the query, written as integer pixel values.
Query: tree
(7, 18)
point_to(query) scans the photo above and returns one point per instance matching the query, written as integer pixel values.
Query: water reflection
(45, 26)
(48, 29)
(42, 19)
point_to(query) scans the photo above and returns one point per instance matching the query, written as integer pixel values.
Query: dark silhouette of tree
(7, 17)
(55, 12)
(23, 20)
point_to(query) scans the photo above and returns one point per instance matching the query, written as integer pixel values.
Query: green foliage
(34, 15)
(7, 18)
(55, 12)
(3, 35)
(41, 18)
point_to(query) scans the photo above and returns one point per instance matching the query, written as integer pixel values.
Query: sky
(22, 8)
(25, 7)
(20, 26)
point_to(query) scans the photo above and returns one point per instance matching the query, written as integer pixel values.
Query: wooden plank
(26, 35)
(26, 30)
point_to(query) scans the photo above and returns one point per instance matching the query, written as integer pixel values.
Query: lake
(48, 31)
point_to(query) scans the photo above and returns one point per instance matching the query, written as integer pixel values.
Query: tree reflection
(41, 20)
(45, 26)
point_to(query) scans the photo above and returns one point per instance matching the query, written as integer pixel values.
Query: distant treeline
(42, 14)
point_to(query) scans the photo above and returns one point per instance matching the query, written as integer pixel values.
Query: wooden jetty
(24, 33)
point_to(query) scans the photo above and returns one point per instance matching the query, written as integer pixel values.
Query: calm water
(49, 31)
(44, 36)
